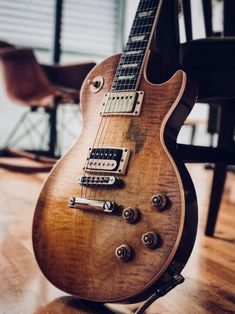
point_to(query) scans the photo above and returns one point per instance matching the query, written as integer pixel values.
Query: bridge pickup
(111, 160)
(99, 181)
(122, 103)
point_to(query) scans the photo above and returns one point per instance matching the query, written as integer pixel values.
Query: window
(89, 27)
(92, 26)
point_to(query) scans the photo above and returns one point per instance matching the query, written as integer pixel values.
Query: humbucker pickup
(122, 103)
(99, 181)
(111, 160)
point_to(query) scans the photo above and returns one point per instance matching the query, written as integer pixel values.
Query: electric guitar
(117, 217)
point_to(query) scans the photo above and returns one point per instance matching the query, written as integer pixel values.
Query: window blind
(27, 22)
(88, 26)
(92, 26)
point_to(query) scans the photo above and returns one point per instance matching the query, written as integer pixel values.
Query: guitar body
(75, 248)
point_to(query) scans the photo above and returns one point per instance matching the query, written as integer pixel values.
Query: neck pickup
(122, 103)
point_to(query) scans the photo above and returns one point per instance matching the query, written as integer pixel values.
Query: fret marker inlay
(130, 65)
(145, 13)
(134, 52)
(137, 38)
(126, 77)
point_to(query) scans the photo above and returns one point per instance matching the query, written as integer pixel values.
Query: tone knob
(159, 201)
(123, 253)
(131, 215)
(150, 239)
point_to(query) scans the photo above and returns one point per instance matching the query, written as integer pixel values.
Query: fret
(131, 59)
(144, 33)
(130, 64)
(125, 86)
(140, 22)
(148, 5)
(126, 71)
(137, 45)
(133, 52)
(146, 30)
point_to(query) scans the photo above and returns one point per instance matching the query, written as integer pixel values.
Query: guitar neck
(131, 63)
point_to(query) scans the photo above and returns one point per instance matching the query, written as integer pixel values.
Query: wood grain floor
(210, 273)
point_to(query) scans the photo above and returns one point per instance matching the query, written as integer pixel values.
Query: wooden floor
(210, 273)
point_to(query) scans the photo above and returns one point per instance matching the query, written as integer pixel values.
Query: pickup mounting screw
(159, 201)
(123, 253)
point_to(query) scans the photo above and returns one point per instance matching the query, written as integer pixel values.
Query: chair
(4, 44)
(40, 87)
(211, 63)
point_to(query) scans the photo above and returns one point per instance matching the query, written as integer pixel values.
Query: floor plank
(210, 273)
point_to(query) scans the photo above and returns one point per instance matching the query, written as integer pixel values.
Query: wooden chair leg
(217, 188)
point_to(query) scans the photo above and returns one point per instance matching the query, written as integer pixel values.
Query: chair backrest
(228, 18)
(70, 76)
(23, 77)
(4, 44)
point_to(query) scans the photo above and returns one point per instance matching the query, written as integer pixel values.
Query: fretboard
(130, 65)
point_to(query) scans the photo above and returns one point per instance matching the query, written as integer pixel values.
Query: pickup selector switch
(150, 239)
(159, 201)
(123, 253)
(131, 215)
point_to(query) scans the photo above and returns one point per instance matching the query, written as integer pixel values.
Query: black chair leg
(53, 132)
(226, 141)
(217, 188)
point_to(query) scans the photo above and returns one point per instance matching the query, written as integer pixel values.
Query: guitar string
(143, 28)
(110, 119)
(101, 128)
(147, 33)
(97, 145)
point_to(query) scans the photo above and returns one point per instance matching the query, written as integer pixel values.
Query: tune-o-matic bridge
(122, 103)
(91, 180)
(111, 160)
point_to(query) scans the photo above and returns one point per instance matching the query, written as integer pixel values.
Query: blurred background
(76, 31)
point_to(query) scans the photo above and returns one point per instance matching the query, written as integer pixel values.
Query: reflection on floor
(210, 273)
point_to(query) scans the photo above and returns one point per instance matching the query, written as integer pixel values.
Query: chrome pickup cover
(122, 103)
(111, 160)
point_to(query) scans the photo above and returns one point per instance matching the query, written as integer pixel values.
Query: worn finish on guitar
(75, 248)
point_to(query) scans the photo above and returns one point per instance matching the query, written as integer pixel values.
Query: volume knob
(123, 253)
(150, 239)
